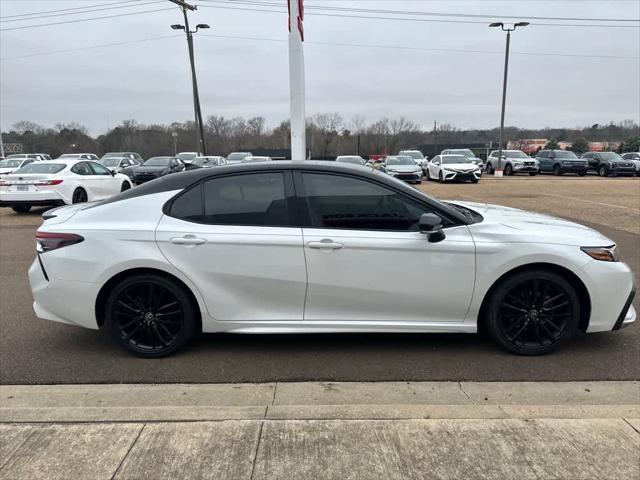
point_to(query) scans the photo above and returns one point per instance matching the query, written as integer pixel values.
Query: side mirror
(113, 173)
(430, 224)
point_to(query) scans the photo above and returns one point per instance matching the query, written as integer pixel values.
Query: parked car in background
(301, 247)
(186, 157)
(561, 161)
(155, 167)
(59, 182)
(137, 159)
(25, 156)
(209, 161)
(403, 167)
(353, 159)
(417, 157)
(237, 157)
(44, 156)
(78, 156)
(635, 158)
(118, 163)
(445, 168)
(463, 151)
(256, 159)
(513, 161)
(10, 165)
(609, 163)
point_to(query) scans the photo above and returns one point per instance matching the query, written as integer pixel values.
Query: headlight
(518, 164)
(604, 254)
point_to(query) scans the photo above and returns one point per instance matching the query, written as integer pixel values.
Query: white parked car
(209, 161)
(11, 164)
(513, 161)
(283, 247)
(403, 168)
(118, 163)
(78, 156)
(446, 168)
(237, 157)
(635, 158)
(187, 157)
(417, 156)
(59, 182)
(352, 159)
(256, 159)
(466, 152)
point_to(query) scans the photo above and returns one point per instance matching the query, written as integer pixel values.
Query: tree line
(328, 135)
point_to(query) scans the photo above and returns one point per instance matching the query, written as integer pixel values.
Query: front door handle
(187, 240)
(325, 244)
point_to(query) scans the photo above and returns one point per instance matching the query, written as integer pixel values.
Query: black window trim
(305, 215)
(289, 192)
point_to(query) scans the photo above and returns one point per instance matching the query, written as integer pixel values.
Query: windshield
(404, 160)
(449, 159)
(157, 162)
(238, 156)
(464, 151)
(10, 163)
(110, 162)
(112, 154)
(41, 167)
(415, 154)
(204, 161)
(515, 154)
(610, 156)
(186, 156)
(565, 154)
(353, 160)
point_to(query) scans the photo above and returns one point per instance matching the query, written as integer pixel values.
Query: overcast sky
(150, 80)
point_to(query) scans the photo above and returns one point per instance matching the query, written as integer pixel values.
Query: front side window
(256, 199)
(343, 202)
(99, 169)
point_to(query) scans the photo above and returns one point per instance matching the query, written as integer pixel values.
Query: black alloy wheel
(508, 170)
(21, 208)
(79, 196)
(533, 313)
(150, 315)
(441, 177)
(125, 186)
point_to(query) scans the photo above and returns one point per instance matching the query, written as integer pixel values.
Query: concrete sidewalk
(395, 430)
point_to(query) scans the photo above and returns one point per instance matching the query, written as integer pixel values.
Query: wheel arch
(576, 282)
(103, 294)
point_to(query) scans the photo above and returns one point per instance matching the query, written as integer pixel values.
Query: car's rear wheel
(532, 174)
(533, 312)
(79, 195)
(125, 186)
(150, 315)
(427, 175)
(21, 208)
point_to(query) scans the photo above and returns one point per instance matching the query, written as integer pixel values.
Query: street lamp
(504, 83)
(200, 143)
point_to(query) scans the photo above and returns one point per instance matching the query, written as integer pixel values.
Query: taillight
(46, 241)
(48, 182)
(6, 183)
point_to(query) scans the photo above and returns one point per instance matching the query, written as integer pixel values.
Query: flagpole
(296, 80)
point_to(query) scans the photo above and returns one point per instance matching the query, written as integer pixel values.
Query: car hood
(460, 167)
(403, 168)
(506, 224)
(150, 169)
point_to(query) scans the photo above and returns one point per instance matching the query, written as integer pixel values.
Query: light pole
(504, 84)
(200, 143)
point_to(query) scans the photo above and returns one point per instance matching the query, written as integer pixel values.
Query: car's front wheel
(21, 208)
(604, 171)
(441, 177)
(508, 170)
(557, 171)
(150, 315)
(125, 186)
(533, 312)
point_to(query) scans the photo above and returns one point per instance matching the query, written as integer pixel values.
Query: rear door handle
(325, 244)
(188, 240)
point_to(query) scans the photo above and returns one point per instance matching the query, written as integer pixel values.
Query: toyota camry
(283, 247)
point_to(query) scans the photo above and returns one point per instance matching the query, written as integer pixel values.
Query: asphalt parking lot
(39, 352)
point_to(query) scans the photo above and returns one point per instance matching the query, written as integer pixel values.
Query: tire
(508, 170)
(418, 182)
(582, 174)
(532, 174)
(79, 196)
(533, 312)
(150, 315)
(427, 175)
(603, 171)
(440, 177)
(21, 208)
(556, 170)
(125, 186)
(490, 169)
(475, 181)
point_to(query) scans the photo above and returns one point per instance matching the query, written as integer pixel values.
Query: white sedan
(10, 165)
(59, 182)
(291, 247)
(445, 168)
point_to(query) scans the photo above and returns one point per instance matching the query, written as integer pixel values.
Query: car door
(109, 184)
(367, 263)
(434, 167)
(237, 238)
(86, 179)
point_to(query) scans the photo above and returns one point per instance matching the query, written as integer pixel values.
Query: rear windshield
(42, 167)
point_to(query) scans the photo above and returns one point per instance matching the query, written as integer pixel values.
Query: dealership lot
(34, 351)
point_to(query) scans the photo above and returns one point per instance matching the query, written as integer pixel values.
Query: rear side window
(253, 199)
(82, 168)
